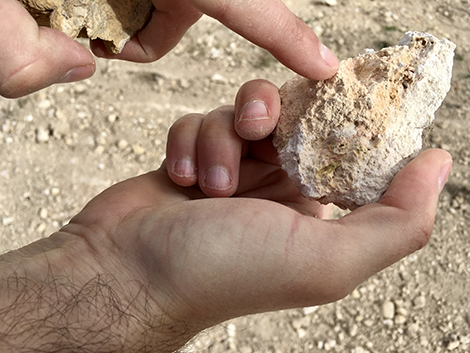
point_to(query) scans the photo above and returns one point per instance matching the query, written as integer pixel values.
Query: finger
(264, 151)
(272, 26)
(257, 108)
(170, 21)
(181, 150)
(35, 57)
(219, 151)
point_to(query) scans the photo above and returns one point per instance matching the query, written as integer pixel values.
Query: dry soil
(63, 145)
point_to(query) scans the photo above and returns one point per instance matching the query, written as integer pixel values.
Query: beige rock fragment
(343, 140)
(113, 21)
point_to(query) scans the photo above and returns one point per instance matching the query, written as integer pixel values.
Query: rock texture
(343, 140)
(113, 21)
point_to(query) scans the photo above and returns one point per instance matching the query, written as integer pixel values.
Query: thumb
(35, 57)
(334, 257)
(272, 26)
(402, 221)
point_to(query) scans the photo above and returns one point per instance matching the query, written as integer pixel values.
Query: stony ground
(63, 145)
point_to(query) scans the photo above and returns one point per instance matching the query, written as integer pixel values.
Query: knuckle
(296, 29)
(10, 87)
(219, 9)
(418, 227)
(186, 122)
(422, 232)
(19, 77)
(220, 123)
(342, 283)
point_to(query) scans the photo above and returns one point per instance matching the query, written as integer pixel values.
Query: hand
(35, 57)
(261, 249)
(203, 260)
(267, 23)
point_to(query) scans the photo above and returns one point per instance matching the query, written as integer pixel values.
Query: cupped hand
(267, 23)
(206, 259)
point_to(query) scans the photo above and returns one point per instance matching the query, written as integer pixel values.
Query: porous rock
(113, 21)
(344, 139)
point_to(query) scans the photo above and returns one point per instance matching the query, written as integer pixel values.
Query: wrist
(56, 295)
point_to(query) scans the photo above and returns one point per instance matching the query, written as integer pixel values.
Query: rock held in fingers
(344, 139)
(113, 21)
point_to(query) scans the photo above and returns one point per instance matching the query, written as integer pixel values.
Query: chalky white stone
(113, 21)
(343, 140)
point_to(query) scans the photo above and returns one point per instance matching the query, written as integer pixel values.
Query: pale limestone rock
(343, 140)
(113, 21)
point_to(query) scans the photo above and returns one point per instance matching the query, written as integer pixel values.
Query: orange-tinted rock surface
(343, 140)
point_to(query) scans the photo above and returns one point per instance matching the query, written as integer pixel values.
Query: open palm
(210, 248)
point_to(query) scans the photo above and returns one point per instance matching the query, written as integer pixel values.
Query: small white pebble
(400, 319)
(453, 345)
(99, 150)
(419, 302)
(217, 78)
(6, 221)
(355, 294)
(122, 144)
(44, 104)
(360, 350)
(138, 149)
(43, 213)
(353, 330)
(231, 330)
(80, 88)
(309, 310)
(388, 310)
(413, 329)
(42, 134)
(301, 333)
(41, 227)
(112, 118)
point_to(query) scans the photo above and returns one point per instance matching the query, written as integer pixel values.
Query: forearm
(55, 297)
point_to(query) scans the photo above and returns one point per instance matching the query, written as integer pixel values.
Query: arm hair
(55, 315)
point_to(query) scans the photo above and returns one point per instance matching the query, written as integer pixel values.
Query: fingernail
(330, 59)
(184, 167)
(255, 110)
(444, 174)
(78, 74)
(99, 51)
(217, 178)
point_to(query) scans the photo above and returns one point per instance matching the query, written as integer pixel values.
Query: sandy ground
(63, 145)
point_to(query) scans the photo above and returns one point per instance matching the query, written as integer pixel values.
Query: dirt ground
(63, 145)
